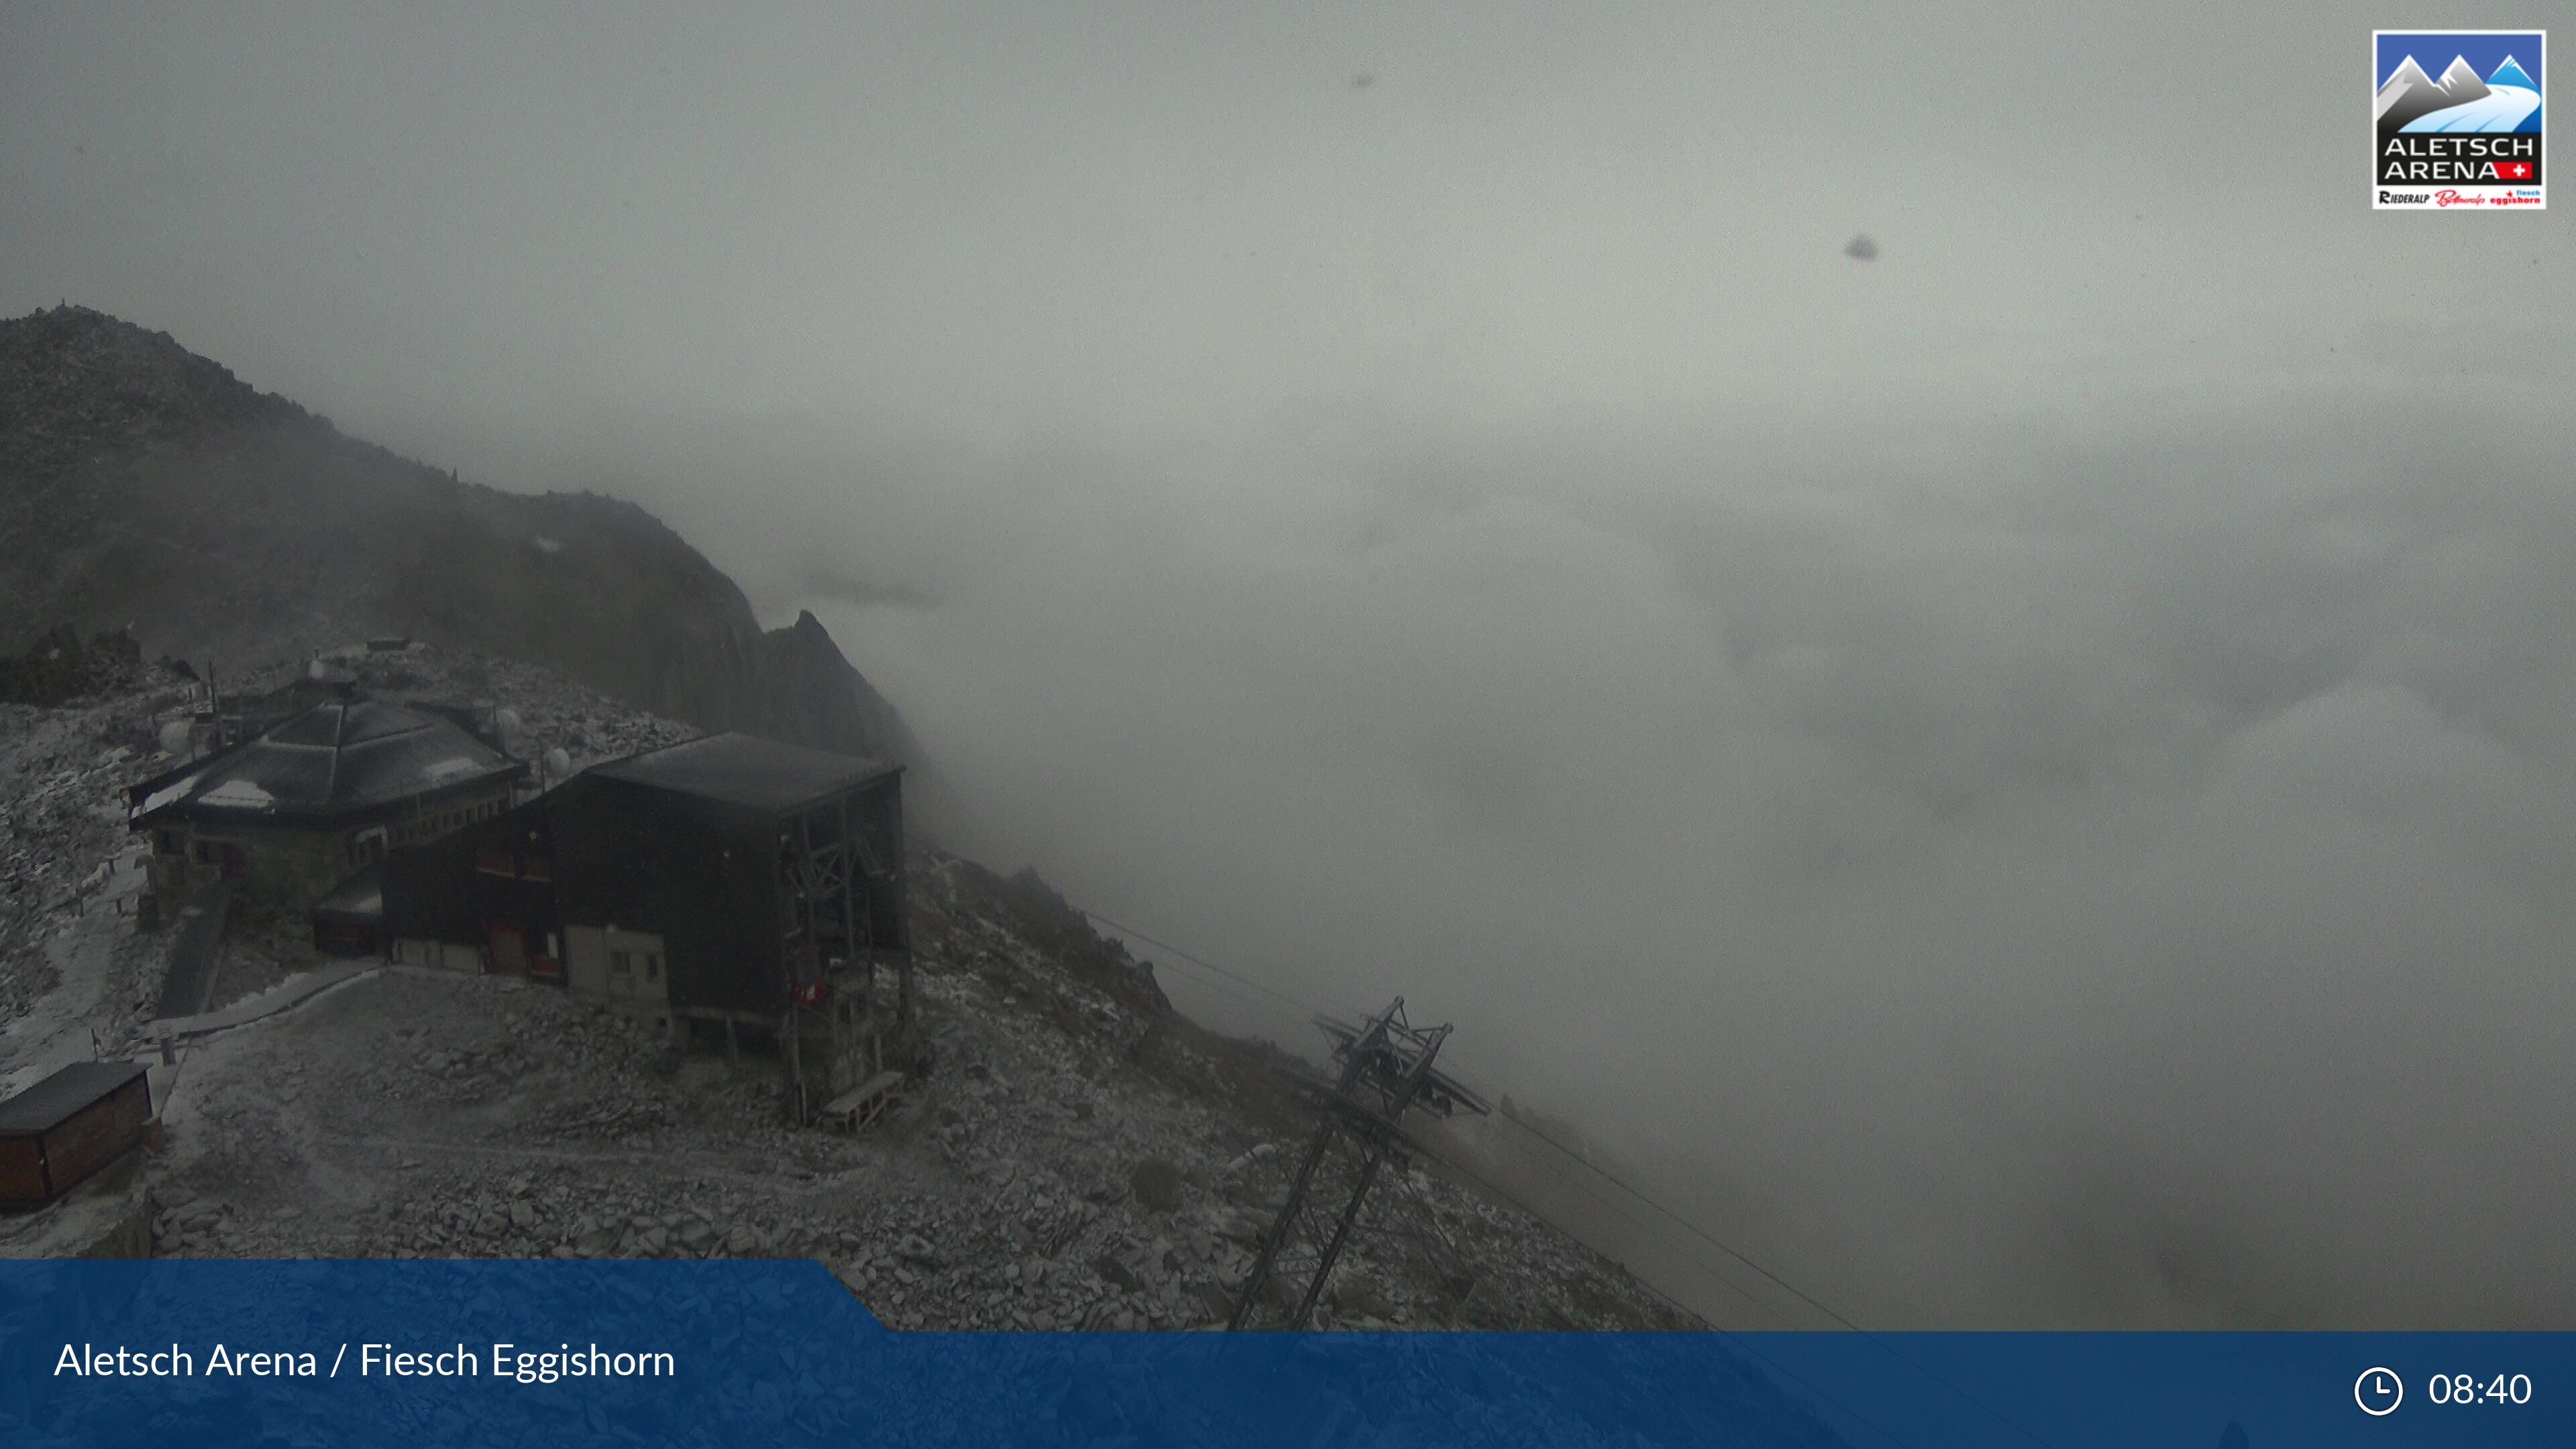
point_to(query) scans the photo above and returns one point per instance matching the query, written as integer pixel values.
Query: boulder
(1157, 1184)
(1116, 1273)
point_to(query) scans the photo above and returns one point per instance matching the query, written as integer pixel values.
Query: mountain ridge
(142, 484)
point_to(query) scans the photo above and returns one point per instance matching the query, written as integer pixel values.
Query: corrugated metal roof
(334, 759)
(51, 1102)
(747, 770)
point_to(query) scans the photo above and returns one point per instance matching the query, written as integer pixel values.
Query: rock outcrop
(59, 667)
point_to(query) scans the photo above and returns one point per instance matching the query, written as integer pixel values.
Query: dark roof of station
(333, 760)
(51, 1102)
(360, 898)
(745, 770)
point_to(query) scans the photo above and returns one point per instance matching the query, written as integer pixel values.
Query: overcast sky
(2026, 778)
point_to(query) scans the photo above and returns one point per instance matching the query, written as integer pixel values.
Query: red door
(509, 952)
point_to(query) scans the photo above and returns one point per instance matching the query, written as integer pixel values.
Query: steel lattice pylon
(1385, 1069)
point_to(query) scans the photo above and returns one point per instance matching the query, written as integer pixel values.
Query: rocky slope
(1071, 1152)
(141, 484)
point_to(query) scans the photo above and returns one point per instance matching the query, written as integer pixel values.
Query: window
(205, 853)
(167, 842)
(620, 964)
(652, 966)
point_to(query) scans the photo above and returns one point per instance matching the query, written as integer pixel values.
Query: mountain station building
(313, 800)
(732, 892)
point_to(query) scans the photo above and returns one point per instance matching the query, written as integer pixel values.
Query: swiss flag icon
(2513, 170)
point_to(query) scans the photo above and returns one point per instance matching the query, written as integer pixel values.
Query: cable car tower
(1383, 1070)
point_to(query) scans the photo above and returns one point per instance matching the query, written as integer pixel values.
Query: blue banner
(206, 1355)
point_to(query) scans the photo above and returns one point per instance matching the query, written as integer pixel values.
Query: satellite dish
(174, 737)
(558, 764)
(506, 721)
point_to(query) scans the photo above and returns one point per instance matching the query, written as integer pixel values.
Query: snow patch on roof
(548, 545)
(449, 768)
(239, 794)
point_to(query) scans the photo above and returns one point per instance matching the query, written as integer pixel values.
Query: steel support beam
(1384, 1067)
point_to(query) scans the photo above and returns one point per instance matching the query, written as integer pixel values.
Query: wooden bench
(860, 1108)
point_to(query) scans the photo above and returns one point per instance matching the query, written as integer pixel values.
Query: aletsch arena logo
(2467, 137)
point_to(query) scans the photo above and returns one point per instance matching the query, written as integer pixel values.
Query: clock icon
(2378, 1392)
